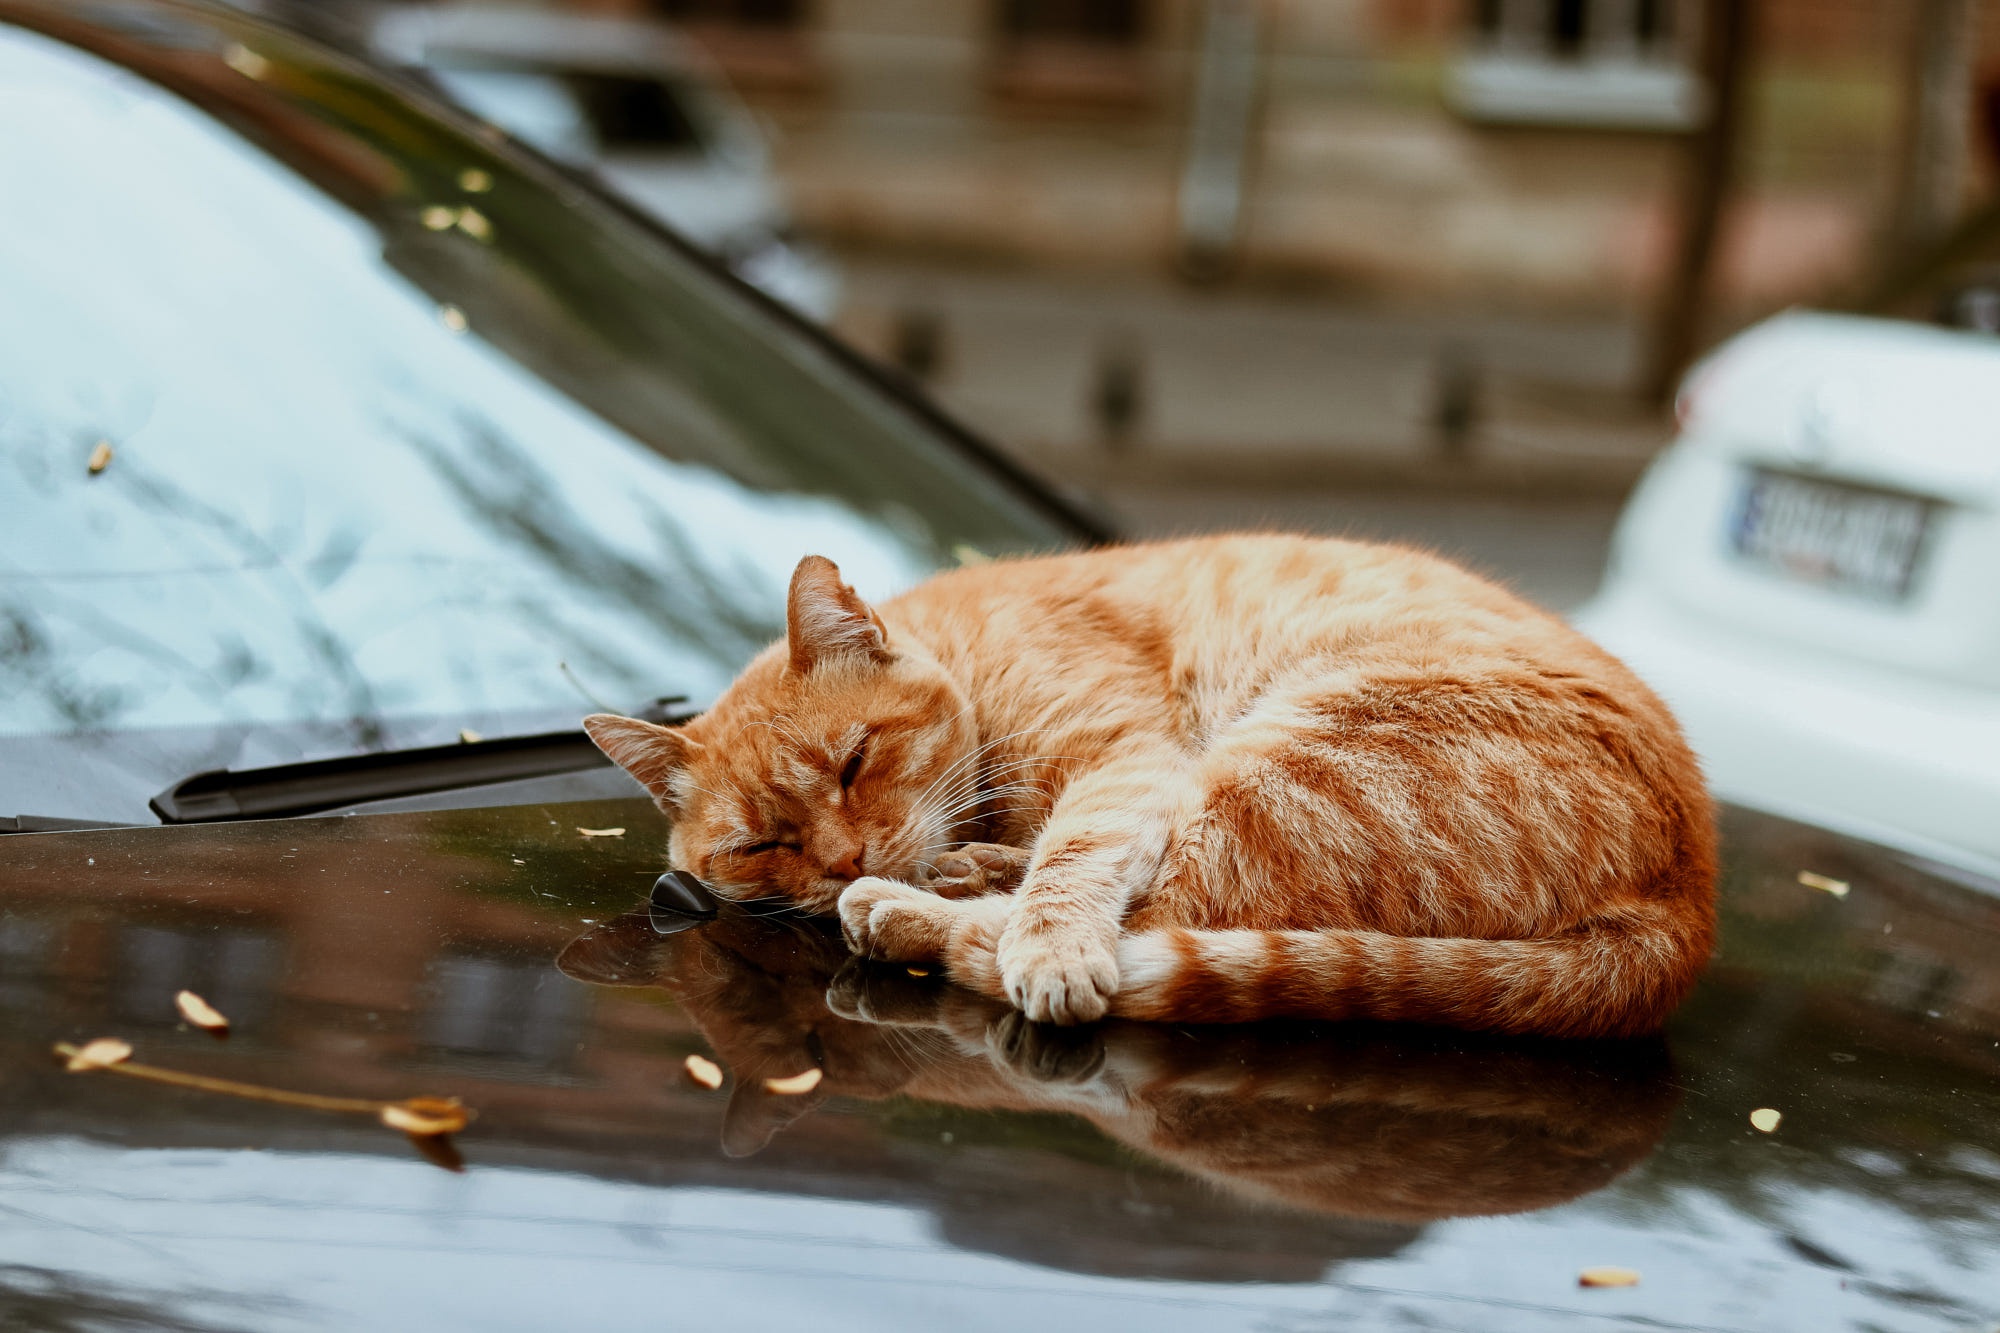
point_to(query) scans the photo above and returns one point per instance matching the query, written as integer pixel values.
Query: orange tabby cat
(1214, 780)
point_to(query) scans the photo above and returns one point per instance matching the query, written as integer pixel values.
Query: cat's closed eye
(759, 848)
(852, 768)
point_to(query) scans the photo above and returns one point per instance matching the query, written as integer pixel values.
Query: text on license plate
(1829, 533)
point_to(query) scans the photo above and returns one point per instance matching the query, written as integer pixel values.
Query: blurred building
(1510, 149)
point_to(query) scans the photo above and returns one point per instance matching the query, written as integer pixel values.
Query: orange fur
(1247, 777)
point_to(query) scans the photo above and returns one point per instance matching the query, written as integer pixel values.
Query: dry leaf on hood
(427, 1115)
(100, 1054)
(704, 1071)
(602, 832)
(1608, 1277)
(100, 457)
(1765, 1118)
(795, 1085)
(1824, 883)
(201, 1013)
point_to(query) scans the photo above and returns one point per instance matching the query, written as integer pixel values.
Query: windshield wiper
(52, 824)
(327, 784)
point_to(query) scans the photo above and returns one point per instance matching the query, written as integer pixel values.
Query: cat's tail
(1618, 975)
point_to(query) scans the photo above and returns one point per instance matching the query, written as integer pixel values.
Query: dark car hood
(954, 1165)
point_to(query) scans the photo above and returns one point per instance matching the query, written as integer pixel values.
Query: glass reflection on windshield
(321, 503)
(371, 445)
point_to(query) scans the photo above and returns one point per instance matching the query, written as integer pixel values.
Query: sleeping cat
(1210, 781)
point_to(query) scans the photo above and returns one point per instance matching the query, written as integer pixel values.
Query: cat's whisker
(977, 753)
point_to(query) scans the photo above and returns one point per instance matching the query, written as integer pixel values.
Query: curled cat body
(1214, 780)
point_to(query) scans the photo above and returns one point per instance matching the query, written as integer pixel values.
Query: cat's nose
(848, 866)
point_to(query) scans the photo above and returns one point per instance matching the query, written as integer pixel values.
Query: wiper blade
(327, 784)
(52, 824)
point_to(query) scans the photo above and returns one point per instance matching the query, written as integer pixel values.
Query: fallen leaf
(438, 1150)
(438, 218)
(918, 971)
(474, 224)
(100, 457)
(795, 1085)
(201, 1013)
(1608, 1277)
(101, 1054)
(968, 554)
(427, 1115)
(452, 318)
(602, 832)
(245, 61)
(474, 181)
(467, 736)
(1824, 883)
(1765, 1119)
(704, 1071)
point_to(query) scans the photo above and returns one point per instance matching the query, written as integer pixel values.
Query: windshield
(324, 427)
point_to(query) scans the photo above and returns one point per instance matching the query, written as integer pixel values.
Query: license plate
(1852, 538)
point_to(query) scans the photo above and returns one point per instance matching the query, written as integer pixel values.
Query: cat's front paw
(1058, 976)
(977, 868)
(884, 918)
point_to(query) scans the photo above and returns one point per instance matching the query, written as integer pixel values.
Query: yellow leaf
(602, 832)
(474, 181)
(703, 1071)
(1765, 1119)
(199, 1012)
(245, 61)
(1824, 883)
(100, 1054)
(1608, 1277)
(427, 1115)
(795, 1085)
(100, 457)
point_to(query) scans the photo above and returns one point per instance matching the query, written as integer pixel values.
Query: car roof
(419, 35)
(951, 1164)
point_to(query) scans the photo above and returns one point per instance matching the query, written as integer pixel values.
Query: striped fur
(1243, 777)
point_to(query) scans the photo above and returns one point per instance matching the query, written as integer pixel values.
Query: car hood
(952, 1165)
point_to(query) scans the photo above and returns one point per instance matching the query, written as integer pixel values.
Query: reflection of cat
(1401, 1124)
(1224, 780)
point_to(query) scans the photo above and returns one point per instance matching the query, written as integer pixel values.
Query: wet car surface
(953, 1164)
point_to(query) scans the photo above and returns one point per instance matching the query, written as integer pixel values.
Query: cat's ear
(755, 1115)
(651, 753)
(825, 620)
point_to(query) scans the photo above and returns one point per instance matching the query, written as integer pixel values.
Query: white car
(634, 103)
(1810, 576)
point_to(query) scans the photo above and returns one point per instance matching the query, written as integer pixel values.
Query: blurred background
(1423, 269)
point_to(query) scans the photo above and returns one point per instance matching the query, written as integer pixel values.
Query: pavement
(1114, 381)
(1506, 441)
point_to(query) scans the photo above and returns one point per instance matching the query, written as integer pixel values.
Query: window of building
(1081, 51)
(1615, 64)
(760, 44)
